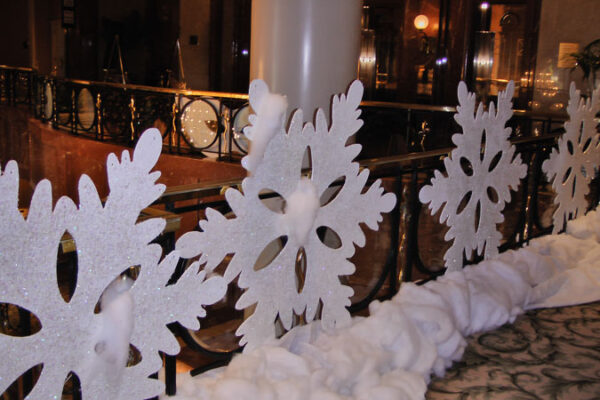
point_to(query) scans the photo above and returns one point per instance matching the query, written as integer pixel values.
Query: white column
(305, 49)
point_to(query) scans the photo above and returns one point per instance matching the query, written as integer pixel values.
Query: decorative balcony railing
(201, 123)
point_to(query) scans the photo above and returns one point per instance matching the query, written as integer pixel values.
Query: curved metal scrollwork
(240, 121)
(153, 111)
(116, 116)
(200, 123)
(86, 110)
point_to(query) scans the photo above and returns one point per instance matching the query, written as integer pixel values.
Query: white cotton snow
(111, 340)
(392, 353)
(301, 211)
(267, 121)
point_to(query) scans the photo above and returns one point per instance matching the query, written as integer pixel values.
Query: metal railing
(201, 123)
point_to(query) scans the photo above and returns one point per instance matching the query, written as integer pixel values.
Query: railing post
(30, 97)
(40, 98)
(170, 375)
(54, 105)
(525, 212)
(224, 129)
(412, 217)
(73, 111)
(395, 272)
(408, 122)
(13, 88)
(132, 118)
(99, 122)
(174, 116)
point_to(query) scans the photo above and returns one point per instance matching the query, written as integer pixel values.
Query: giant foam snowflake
(480, 172)
(73, 338)
(275, 165)
(573, 162)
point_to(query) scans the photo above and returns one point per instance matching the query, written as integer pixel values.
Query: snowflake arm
(42, 230)
(130, 183)
(12, 349)
(371, 205)
(345, 123)
(221, 236)
(183, 301)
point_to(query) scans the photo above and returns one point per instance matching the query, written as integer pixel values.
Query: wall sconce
(421, 22)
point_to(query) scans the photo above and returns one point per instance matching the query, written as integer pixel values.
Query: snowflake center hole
(329, 237)
(464, 202)
(495, 161)
(19, 389)
(492, 194)
(72, 386)
(66, 266)
(273, 201)
(570, 147)
(567, 175)
(332, 191)
(586, 145)
(300, 269)
(466, 166)
(477, 216)
(270, 252)
(482, 148)
(17, 321)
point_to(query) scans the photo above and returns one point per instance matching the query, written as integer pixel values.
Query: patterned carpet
(545, 354)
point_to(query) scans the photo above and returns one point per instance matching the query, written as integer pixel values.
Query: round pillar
(305, 49)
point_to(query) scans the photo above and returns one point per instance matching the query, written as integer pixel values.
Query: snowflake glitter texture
(572, 164)
(275, 288)
(108, 241)
(480, 173)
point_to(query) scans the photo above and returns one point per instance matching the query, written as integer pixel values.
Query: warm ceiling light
(421, 22)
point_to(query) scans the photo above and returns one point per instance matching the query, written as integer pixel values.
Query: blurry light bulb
(421, 22)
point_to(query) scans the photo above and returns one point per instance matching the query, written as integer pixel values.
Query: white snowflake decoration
(572, 165)
(274, 288)
(109, 241)
(480, 172)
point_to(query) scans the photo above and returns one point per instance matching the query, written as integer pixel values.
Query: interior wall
(194, 23)
(575, 21)
(128, 20)
(14, 31)
(81, 42)
(46, 153)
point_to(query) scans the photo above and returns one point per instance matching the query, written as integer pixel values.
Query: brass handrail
(185, 92)
(213, 188)
(22, 69)
(243, 96)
